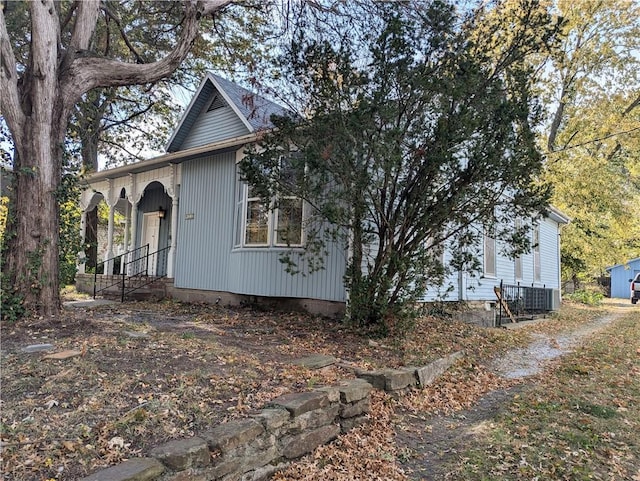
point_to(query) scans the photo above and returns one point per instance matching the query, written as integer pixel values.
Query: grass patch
(570, 425)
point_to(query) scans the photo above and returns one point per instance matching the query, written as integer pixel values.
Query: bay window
(260, 225)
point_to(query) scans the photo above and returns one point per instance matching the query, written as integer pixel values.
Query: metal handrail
(113, 259)
(142, 271)
(525, 301)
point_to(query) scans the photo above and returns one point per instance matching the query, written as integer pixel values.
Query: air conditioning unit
(555, 299)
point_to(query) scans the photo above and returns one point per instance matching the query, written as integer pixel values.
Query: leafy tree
(38, 94)
(415, 131)
(592, 85)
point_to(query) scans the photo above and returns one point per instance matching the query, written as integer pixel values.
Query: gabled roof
(252, 109)
(557, 215)
(630, 261)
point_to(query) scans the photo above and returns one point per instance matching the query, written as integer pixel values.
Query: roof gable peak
(253, 110)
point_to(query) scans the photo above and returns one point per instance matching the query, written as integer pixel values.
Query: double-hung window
(257, 220)
(489, 255)
(288, 218)
(259, 224)
(288, 221)
(537, 274)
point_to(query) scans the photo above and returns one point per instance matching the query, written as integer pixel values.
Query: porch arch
(133, 195)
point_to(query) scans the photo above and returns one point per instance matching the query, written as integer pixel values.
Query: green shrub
(588, 297)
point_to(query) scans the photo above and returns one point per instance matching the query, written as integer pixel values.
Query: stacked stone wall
(289, 427)
(252, 449)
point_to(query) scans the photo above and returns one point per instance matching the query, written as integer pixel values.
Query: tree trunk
(36, 103)
(32, 254)
(38, 124)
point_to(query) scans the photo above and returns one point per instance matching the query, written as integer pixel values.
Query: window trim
(494, 265)
(273, 213)
(537, 259)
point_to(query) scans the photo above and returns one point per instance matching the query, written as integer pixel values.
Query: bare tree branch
(87, 73)
(626, 112)
(123, 34)
(557, 120)
(124, 149)
(114, 123)
(593, 141)
(213, 6)
(631, 106)
(65, 21)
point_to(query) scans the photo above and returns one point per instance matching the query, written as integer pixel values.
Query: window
(518, 260)
(257, 220)
(261, 225)
(536, 254)
(289, 221)
(489, 256)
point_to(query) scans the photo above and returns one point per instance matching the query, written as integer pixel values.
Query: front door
(150, 235)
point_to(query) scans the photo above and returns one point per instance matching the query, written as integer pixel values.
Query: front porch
(111, 287)
(129, 229)
(135, 271)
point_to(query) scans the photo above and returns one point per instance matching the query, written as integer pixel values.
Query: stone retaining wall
(289, 427)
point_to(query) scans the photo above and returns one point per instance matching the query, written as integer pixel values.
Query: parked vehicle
(635, 289)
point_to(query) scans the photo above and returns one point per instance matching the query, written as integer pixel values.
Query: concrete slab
(38, 348)
(316, 361)
(89, 303)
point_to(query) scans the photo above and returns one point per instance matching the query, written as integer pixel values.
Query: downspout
(559, 262)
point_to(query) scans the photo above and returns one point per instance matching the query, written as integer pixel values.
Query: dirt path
(429, 445)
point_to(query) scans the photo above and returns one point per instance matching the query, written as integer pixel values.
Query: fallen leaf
(63, 355)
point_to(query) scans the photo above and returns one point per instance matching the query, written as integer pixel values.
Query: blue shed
(620, 275)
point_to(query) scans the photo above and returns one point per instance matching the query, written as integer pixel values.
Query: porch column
(134, 225)
(127, 220)
(134, 197)
(109, 264)
(174, 235)
(173, 190)
(82, 258)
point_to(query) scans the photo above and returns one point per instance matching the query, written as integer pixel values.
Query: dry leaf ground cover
(150, 372)
(579, 420)
(421, 435)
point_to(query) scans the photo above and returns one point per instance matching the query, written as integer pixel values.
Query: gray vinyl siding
(191, 116)
(549, 254)
(206, 258)
(214, 126)
(480, 288)
(260, 272)
(204, 242)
